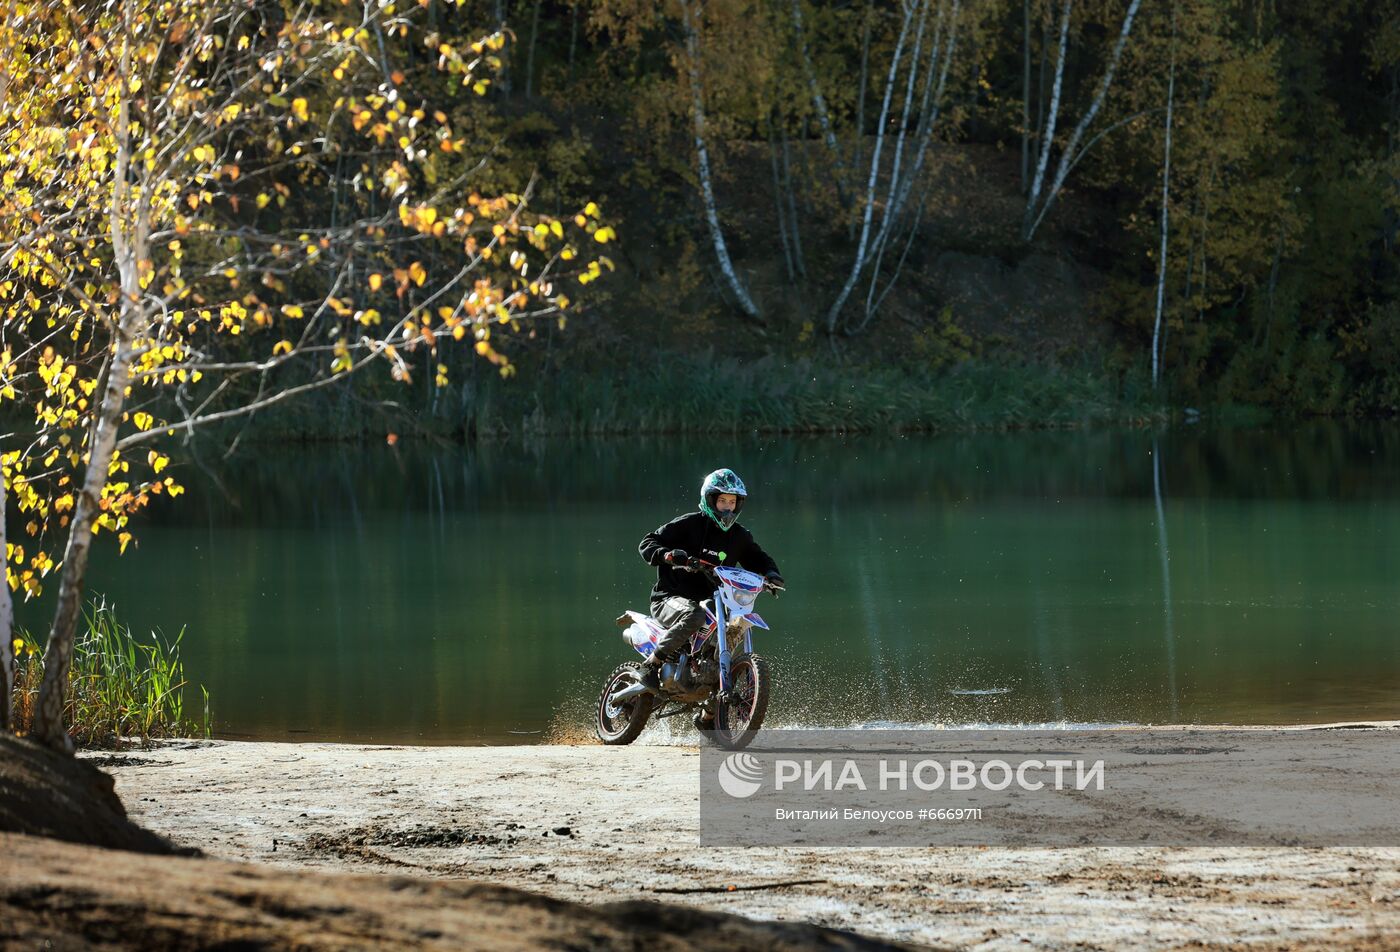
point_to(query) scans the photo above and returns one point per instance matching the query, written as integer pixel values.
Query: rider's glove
(775, 580)
(677, 557)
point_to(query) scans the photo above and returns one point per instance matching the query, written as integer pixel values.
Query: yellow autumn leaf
(376, 281)
(417, 273)
(282, 347)
(292, 310)
(143, 421)
(299, 108)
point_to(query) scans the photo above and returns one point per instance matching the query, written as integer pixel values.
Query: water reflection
(1164, 551)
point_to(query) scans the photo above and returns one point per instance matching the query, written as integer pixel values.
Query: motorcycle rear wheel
(738, 719)
(622, 723)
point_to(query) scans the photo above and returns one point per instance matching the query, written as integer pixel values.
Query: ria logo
(740, 775)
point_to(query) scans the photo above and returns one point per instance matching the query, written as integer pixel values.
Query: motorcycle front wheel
(739, 717)
(621, 723)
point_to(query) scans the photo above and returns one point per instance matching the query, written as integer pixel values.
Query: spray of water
(836, 692)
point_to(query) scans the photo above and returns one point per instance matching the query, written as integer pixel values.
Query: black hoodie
(700, 537)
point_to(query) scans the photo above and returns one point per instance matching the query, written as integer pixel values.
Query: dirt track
(605, 824)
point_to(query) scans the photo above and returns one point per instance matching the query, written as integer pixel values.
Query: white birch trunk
(1026, 94)
(1043, 147)
(1157, 345)
(781, 205)
(834, 314)
(789, 192)
(128, 249)
(707, 192)
(7, 627)
(902, 186)
(1070, 155)
(819, 102)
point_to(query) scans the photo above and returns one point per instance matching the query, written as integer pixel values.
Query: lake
(467, 595)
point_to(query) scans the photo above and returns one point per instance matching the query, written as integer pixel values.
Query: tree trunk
(7, 626)
(1070, 156)
(858, 157)
(834, 314)
(127, 251)
(48, 715)
(707, 192)
(1157, 345)
(1047, 19)
(1025, 93)
(1048, 137)
(902, 186)
(877, 247)
(780, 202)
(791, 194)
(819, 103)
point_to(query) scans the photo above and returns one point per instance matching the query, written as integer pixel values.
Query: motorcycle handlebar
(708, 568)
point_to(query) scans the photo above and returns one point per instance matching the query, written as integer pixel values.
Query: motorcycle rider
(713, 534)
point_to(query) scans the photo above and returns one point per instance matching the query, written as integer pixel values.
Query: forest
(806, 216)
(1192, 202)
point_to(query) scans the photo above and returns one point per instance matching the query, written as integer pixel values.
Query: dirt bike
(720, 680)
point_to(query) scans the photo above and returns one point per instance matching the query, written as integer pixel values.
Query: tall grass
(699, 395)
(119, 687)
(710, 394)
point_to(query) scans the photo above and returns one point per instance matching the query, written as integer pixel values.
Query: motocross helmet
(718, 482)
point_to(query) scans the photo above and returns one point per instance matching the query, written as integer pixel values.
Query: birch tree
(163, 265)
(1041, 198)
(7, 629)
(1166, 185)
(819, 103)
(690, 17)
(1217, 199)
(929, 51)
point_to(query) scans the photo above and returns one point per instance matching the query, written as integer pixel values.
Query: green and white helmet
(718, 482)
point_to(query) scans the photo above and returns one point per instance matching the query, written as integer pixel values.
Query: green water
(467, 595)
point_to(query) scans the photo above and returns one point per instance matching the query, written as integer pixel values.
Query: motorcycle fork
(722, 634)
(722, 643)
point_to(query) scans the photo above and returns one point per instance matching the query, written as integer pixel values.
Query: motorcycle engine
(702, 673)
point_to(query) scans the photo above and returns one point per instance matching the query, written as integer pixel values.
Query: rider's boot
(650, 673)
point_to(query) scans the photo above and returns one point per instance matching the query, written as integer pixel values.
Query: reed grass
(709, 394)
(119, 687)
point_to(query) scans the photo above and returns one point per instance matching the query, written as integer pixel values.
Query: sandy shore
(602, 824)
